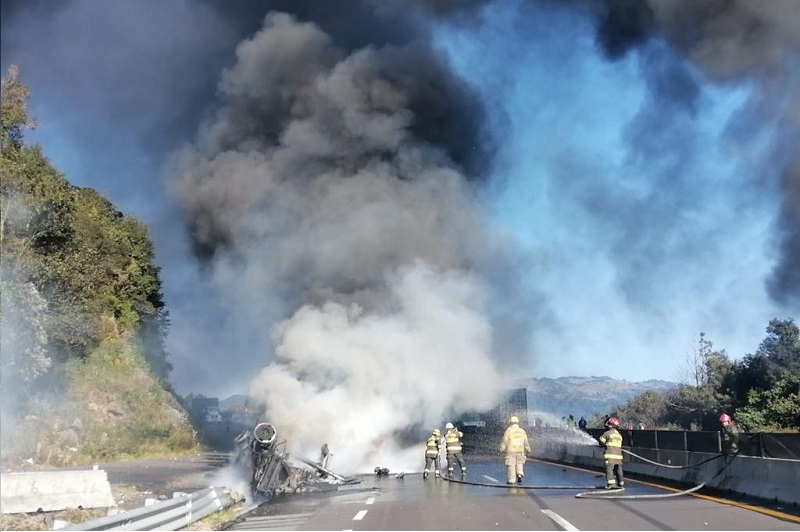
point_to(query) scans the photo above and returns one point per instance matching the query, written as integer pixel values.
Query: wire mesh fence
(762, 444)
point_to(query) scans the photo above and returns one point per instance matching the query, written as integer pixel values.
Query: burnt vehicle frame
(263, 457)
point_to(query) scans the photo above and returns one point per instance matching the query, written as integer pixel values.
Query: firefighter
(515, 444)
(452, 439)
(730, 435)
(324, 456)
(611, 440)
(432, 454)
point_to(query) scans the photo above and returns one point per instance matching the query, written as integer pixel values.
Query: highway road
(389, 503)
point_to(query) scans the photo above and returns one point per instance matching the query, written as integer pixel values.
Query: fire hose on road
(669, 466)
(517, 486)
(597, 492)
(615, 494)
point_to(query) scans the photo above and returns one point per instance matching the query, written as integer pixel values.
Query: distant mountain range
(584, 396)
(579, 396)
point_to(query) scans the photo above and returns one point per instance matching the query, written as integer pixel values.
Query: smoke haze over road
(389, 208)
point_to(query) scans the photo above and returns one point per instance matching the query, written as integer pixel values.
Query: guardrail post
(685, 442)
(719, 443)
(655, 439)
(761, 444)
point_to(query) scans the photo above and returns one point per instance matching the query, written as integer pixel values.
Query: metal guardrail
(172, 514)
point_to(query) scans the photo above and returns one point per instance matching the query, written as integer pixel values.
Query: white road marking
(360, 515)
(492, 479)
(560, 521)
(276, 522)
(370, 500)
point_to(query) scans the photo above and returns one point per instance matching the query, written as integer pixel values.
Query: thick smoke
(327, 190)
(731, 41)
(343, 166)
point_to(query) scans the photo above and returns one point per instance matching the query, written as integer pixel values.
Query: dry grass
(127, 497)
(45, 520)
(217, 520)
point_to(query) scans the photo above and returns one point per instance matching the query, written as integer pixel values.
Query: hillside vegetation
(584, 396)
(761, 391)
(83, 319)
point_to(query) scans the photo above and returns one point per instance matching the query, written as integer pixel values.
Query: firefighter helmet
(724, 418)
(437, 432)
(513, 419)
(613, 422)
(449, 425)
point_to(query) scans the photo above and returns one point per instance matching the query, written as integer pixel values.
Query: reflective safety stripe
(612, 441)
(432, 446)
(452, 439)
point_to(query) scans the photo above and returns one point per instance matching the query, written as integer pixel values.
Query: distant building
(516, 404)
(206, 409)
(482, 430)
(241, 414)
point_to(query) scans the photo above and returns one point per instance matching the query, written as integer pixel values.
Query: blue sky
(637, 251)
(647, 216)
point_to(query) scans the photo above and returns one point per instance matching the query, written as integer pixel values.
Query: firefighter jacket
(432, 446)
(452, 439)
(612, 441)
(515, 440)
(730, 439)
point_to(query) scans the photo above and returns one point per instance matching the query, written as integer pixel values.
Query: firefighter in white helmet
(452, 439)
(515, 444)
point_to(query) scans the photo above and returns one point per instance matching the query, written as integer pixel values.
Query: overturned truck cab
(265, 461)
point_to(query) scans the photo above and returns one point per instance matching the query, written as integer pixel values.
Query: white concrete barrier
(767, 478)
(54, 490)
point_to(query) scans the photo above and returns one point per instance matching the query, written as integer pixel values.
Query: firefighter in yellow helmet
(515, 444)
(432, 453)
(611, 440)
(452, 438)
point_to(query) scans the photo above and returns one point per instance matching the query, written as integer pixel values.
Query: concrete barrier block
(767, 478)
(54, 490)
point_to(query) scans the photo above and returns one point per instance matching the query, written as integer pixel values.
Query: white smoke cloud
(351, 378)
(325, 193)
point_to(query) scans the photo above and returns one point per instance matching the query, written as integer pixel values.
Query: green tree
(649, 407)
(776, 408)
(83, 317)
(85, 258)
(777, 355)
(698, 403)
(782, 346)
(15, 118)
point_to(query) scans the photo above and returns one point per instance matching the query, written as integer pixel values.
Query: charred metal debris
(264, 459)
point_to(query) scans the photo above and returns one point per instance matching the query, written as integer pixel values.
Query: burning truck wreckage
(262, 456)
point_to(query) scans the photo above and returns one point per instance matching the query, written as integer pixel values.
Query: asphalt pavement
(411, 503)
